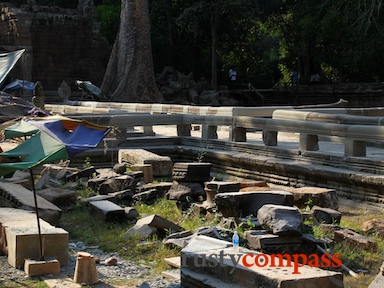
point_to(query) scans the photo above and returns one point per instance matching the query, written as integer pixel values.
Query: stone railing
(79, 107)
(354, 136)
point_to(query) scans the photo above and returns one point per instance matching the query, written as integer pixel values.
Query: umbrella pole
(37, 214)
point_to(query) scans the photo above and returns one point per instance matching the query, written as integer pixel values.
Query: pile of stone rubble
(272, 219)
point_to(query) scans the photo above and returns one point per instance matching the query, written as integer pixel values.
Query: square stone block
(23, 243)
(161, 165)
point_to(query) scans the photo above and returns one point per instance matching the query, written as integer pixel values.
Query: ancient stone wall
(62, 44)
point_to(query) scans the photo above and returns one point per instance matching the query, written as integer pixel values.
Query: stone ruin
(274, 220)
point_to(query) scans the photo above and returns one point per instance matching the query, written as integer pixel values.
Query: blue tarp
(18, 85)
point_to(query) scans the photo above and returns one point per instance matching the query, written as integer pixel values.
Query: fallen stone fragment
(353, 239)
(374, 226)
(120, 168)
(179, 239)
(270, 243)
(323, 197)
(131, 213)
(87, 172)
(325, 215)
(141, 231)
(111, 261)
(280, 220)
(59, 197)
(223, 186)
(116, 184)
(243, 204)
(180, 191)
(16, 196)
(147, 197)
(162, 187)
(161, 165)
(160, 223)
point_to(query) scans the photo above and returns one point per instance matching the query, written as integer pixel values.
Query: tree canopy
(266, 40)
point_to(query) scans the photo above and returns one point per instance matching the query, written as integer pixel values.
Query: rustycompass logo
(260, 260)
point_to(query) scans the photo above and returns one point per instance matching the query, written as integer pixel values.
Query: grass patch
(356, 258)
(110, 236)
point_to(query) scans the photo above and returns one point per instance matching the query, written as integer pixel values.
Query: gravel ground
(123, 270)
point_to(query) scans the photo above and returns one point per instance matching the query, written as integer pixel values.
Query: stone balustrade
(310, 125)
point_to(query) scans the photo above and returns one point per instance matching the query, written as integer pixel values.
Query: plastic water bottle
(235, 241)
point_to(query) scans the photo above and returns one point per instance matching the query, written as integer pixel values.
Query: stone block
(192, 172)
(116, 184)
(322, 197)
(131, 213)
(222, 186)
(85, 270)
(141, 231)
(107, 211)
(374, 226)
(326, 215)
(160, 223)
(58, 196)
(180, 191)
(280, 220)
(23, 243)
(243, 204)
(161, 165)
(222, 269)
(147, 170)
(33, 267)
(87, 172)
(353, 239)
(22, 198)
(262, 240)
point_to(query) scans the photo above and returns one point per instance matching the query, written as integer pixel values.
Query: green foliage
(109, 17)
(308, 205)
(265, 40)
(87, 162)
(201, 154)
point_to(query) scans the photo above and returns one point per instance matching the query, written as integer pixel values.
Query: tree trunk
(214, 17)
(130, 74)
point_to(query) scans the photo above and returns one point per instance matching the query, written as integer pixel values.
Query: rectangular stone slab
(161, 165)
(228, 275)
(33, 267)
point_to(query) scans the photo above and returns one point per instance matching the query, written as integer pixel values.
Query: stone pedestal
(34, 267)
(147, 171)
(85, 271)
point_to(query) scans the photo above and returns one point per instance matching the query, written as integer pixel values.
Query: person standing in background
(232, 77)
